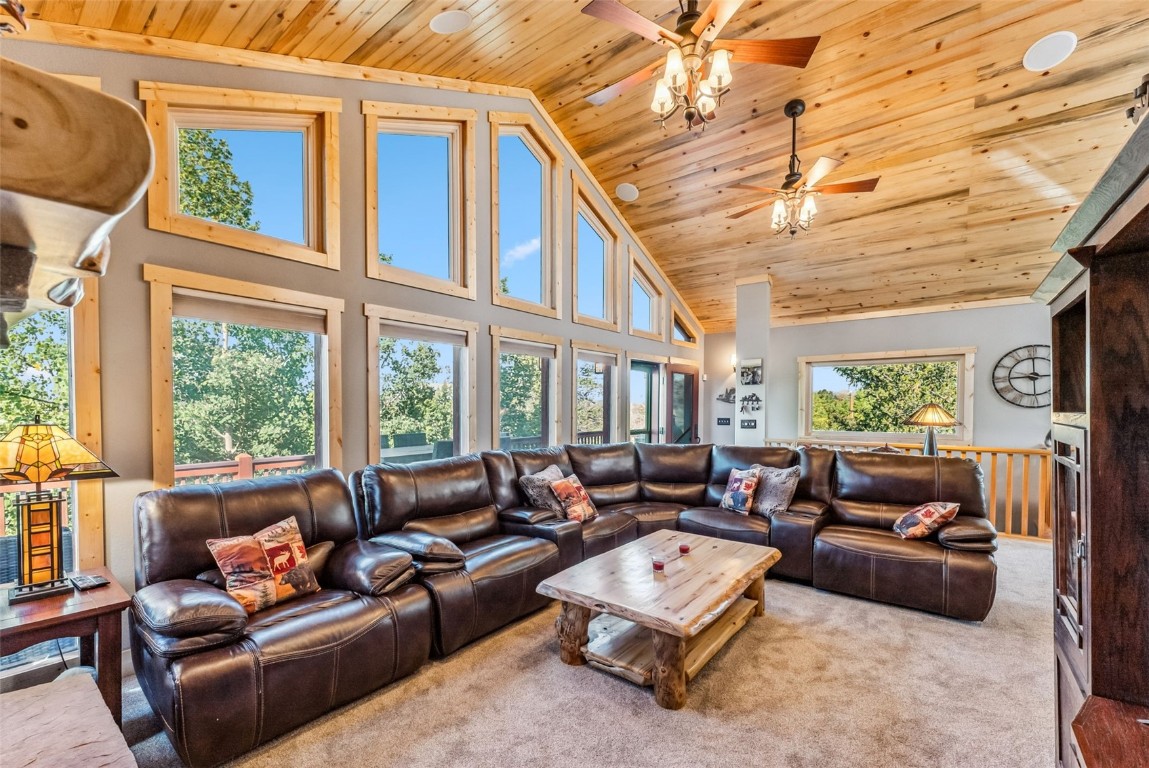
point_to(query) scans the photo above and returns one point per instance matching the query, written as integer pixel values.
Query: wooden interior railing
(1017, 480)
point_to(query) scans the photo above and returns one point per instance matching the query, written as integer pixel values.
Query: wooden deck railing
(244, 467)
(1017, 480)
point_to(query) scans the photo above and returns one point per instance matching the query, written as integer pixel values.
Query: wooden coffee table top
(693, 591)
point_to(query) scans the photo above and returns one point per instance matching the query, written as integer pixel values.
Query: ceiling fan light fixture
(675, 74)
(706, 104)
(450, 22)
(779, 218)
(720, 76)
(663, 102)
(626, 192)
(1049, 51)
(808, 212)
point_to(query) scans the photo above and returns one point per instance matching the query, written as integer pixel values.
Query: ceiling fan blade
(794, 52)
(750, 210)
(847, 187)
(617, 13)
(752, 188)
(821, 169)
(598, 98)
(714, 18)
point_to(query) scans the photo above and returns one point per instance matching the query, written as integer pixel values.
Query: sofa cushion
(573, 499)
(537, 489)
(610, 529)
(608, 472)
(317, 555)
(673, 473)
(389, 496)
(775, 489)
(724, 524)
(923, 520)
(651, 515)
(740, 490)
(265, 568)
(908, 481)
(817, 478)
(724, 458)
(460, 527)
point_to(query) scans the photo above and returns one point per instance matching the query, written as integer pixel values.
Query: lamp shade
(39, 453)
(931, 415)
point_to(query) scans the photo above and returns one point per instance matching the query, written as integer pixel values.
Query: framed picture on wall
(750, 372)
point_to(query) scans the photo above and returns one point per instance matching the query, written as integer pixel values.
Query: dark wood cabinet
(1099, 300)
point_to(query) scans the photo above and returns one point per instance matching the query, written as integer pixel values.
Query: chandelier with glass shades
(683, 86)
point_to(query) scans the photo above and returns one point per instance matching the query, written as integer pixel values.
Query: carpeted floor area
(821, 680)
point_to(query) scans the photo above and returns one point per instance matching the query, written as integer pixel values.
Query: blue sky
(825, 377)
(272, 162)
(520, 219)
(591, 264)
(414, 202)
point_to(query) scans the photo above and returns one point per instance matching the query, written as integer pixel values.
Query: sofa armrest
(184, 616)
(566, 534)
(422, 546)
(972, 534)
(368, 568)
(527, 515)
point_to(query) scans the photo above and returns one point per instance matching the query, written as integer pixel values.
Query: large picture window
(525, 199)
(245, 379)
(594, 246)
(420, 196)
(423, 385)
(869, 397)
(596, 393)
(249, 169)
(526, 386)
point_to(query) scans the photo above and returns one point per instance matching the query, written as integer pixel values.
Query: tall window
(644, 401)
(423, 380)
(526, 387)
(645, 303)
(868, 397)
(420, 196)
(595, 265)
(245, 379)
(595, 394)
(261, 176)
(524, 201)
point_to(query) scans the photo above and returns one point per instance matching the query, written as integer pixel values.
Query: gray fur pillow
(775, 489)
(537, 489)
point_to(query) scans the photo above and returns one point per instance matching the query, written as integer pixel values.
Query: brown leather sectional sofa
(460, 530)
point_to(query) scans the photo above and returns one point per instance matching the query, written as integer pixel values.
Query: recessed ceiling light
(450, 22)
(1049, 51)
(626, 192)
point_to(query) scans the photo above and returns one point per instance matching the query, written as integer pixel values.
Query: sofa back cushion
(393, 497)
(874, 489)
(817, 479)
(724, 458)
(673, 473)
(502, 479)
(174, 524)
(608, 472)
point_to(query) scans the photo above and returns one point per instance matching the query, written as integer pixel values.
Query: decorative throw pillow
(576, 503)
(537, 488)
(740, 490)
(265, 568)
(775, 489)
(921, 521)
(317, 555)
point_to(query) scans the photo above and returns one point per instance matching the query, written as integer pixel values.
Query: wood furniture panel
(1100, 315)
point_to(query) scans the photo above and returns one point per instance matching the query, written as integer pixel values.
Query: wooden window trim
(375, 313)
(88, 416)
(584, 204)
(498, 333)
(164, 281)
(551, 239)
(677, 317)
(615, 429)
(657, 301)
(966, 384)
(167, 104)
(459, 124)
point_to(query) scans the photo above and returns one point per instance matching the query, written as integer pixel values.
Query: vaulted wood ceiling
(982, 162)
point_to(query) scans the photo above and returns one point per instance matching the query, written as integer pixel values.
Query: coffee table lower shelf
(624, 648)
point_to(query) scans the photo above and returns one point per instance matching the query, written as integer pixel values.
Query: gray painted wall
(992, 330)
(124, 295)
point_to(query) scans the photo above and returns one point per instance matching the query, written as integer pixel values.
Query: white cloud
(521, 251)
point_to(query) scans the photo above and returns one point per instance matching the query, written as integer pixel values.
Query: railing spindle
(1025, 495)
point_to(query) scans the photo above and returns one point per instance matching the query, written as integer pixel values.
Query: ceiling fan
(697, 67)
(794, 207)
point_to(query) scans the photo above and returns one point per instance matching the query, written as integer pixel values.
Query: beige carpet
(822, 680)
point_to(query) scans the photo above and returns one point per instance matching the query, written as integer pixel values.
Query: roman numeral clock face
(1024, 376)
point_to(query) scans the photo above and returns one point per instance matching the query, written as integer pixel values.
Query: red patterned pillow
(266, 568)
(574, 499)
(739, 496)
(921, 521)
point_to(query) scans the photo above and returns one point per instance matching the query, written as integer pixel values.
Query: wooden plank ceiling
(981, 161)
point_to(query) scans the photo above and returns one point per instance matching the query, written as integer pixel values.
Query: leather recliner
(481, 577)
(202, 661)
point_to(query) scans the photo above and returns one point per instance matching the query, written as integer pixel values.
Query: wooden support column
(571, 625)
(669, 670)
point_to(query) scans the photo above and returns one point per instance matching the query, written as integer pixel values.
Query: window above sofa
(868, 396)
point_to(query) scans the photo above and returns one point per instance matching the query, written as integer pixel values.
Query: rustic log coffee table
(659, 628)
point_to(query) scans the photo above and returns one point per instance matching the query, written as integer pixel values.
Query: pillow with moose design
(265, 568)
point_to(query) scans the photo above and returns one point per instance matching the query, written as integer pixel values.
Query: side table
(93, 615)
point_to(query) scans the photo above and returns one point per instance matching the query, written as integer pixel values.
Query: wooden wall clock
(1023, 376)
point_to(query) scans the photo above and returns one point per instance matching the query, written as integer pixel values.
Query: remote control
(82, 582)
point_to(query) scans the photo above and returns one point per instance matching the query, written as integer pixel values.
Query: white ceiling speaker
(1049, 51)
(450, 22)
(626, 192)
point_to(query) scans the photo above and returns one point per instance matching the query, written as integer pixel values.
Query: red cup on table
(658, 564)
(684, 548)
